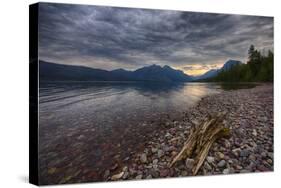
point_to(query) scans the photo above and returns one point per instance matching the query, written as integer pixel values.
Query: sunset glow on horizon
(199, 69)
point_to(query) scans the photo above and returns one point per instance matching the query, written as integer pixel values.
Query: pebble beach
(249, 148)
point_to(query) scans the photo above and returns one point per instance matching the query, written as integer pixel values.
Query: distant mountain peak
(213, 72)
(119, 70)
(230, 63)
(158, 73)
(155, 66)
(167, 67)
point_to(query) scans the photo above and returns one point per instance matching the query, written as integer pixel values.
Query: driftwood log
(200, 140)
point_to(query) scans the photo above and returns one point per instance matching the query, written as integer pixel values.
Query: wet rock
(149, 177)
(220, 155)
(241, 131)
(262, 168)
(140, 168)
(164, 173)
(125, 169)
(117, 176)
(245, 153)
(106, 174)
(155, 166)
(264, 154)
(138, 177)
(167, 124)
(155, 161)
(251, 166)
(270, 154)
(244, 171)
(264, 119)
(114, 166)
(189, 163)
(143, 158)
(168, 135)
(207, 166)
(126, 159)
(227, 144)
(252, 157)
(236, 152)
(125, 175)
(226, 171)
(167, 149)
(52, 170)
(81, 137)
(210, 159)
(148, 166)
(154, 173)
(160, 153)
(174, 153)
(269, 161)
(238, 167)
(153, 150)
(184, 173)
(132, 171)
(222, 164)
(254, 133)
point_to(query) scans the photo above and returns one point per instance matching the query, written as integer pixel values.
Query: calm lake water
(104, 104)
(86, 127)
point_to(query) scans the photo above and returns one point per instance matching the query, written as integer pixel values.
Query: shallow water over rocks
(87, 127)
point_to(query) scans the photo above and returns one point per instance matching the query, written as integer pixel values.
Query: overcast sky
(111, 38)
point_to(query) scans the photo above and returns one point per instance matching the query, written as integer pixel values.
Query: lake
(86, 127)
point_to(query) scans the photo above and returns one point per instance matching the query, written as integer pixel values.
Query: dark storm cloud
(110, 38)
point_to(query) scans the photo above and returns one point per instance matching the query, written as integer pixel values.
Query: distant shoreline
(152, 82)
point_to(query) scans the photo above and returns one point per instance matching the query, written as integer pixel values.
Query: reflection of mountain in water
(99, 88)
(152, 88)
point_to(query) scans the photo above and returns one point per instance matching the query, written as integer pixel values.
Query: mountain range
(59, 72)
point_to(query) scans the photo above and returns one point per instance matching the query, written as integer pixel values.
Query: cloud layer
(111, 38)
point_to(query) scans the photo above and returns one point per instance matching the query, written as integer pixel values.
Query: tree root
(201, 139)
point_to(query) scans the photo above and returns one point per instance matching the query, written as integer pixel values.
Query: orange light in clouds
(198, 69)
(195, 72)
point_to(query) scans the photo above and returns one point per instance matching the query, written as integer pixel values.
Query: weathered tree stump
(200, 140)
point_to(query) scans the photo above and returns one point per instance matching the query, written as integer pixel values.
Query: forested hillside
(259, 68)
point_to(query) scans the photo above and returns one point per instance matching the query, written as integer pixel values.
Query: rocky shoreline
(249, 149)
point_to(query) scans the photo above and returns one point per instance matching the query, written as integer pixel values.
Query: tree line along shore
(259, 68)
